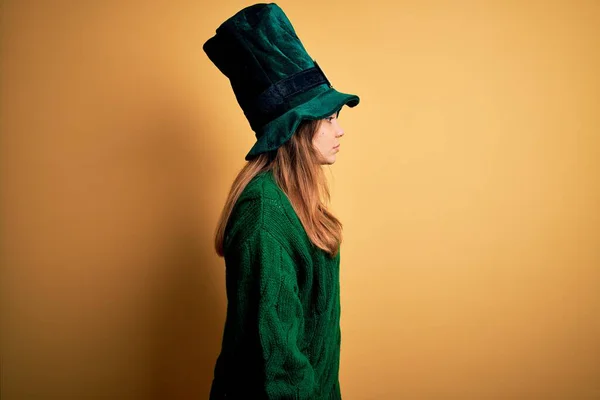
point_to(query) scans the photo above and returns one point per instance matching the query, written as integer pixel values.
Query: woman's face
(327, 138)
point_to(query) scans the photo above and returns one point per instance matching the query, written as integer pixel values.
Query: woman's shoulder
(263, 206)
(262, 186)
(261, 195)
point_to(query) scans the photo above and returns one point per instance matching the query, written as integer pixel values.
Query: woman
(280, 242)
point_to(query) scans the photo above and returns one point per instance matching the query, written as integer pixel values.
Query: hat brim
(281, 129)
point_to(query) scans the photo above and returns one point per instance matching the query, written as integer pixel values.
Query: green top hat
(276, 83)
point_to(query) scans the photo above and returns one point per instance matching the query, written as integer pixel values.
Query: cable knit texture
(282, 332)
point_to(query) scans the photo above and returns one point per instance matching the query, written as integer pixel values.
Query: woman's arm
(288, 373)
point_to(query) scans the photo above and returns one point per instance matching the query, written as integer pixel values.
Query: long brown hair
(299, 174)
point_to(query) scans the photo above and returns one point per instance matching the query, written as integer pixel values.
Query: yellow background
(468, 184)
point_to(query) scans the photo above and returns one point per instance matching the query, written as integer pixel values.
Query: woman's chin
(329, 160)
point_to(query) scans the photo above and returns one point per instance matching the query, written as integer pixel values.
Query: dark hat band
(273, 101)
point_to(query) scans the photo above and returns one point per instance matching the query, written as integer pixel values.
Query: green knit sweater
(282, 332)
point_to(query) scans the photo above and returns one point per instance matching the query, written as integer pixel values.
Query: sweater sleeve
(287, 373)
